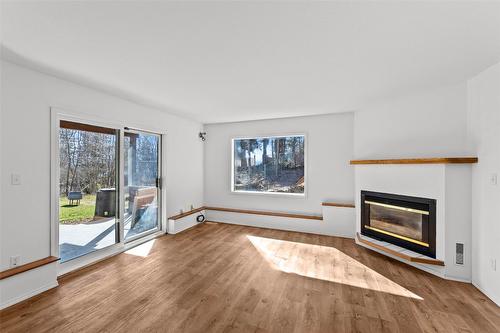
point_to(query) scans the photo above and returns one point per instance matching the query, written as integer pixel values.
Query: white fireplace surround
(449, 184)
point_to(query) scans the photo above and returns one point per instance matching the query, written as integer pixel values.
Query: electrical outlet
(15, 179)
(494, 179)
(15, 261)
(493, 264)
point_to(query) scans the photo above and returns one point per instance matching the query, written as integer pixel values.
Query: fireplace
(409, 222)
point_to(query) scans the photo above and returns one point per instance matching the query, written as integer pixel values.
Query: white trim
(143, 234)
(86, 118)
(267, 136)
(491, 297)
(184, 223)
(58, 114)
(307, 226)
(29, 294)
(279, 194)
(160, 191)
(54, 180)
(163, 180)
(93, 118)
(121, 180)
(103, 254)
(452, 278)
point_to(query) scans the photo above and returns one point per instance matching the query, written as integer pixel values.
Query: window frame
(279, 194)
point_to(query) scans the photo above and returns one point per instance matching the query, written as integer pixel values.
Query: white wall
(484, 130)
(1, 155)
(22, 286)
(329, 142)
(426, 124)
(25, 136)
(458, 213)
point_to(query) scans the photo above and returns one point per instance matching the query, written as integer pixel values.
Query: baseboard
(451, 278)
(28, 295)
(270, 228)
(493, 299)
(338, 222)
(319, 227)
(183, 223)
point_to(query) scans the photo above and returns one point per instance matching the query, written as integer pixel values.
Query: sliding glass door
(108, 188)
(142, 180)
(88, 179)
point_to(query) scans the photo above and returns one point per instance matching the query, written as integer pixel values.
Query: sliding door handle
(159, 183)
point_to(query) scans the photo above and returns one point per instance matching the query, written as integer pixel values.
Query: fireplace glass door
(405, 221)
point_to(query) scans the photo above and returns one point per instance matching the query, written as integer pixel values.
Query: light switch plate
(14, 261)
(494, 179)
(15, 179)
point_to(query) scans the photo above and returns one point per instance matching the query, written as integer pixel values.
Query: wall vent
(459, 253)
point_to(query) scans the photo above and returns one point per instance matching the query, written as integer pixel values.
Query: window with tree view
(269, 164)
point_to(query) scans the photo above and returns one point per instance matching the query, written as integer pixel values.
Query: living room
(250, 166)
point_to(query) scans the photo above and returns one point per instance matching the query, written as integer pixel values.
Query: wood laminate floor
(227, 278)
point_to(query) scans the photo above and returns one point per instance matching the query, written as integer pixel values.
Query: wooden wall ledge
(262, 212)
(26, 267)
(336, 204)
(179, 216)
(267, 213)
(433, 160)
(420, 260)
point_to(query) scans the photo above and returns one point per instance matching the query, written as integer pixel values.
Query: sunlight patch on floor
(142, 250)
(324, 263)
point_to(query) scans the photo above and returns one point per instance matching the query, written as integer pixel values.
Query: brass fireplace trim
(411, 210)
(397, 236)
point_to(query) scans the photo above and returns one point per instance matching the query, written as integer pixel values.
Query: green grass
(84, 212)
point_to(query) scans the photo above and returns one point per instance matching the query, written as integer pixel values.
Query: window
(273, 164)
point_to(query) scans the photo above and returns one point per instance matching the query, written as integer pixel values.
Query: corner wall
(484, 132)
(428, 123)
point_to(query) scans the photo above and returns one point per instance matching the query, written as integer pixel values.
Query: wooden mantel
(432, 160)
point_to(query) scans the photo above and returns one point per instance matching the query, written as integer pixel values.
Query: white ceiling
(234, 61)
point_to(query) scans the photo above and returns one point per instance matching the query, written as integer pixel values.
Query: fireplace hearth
(409, 222)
